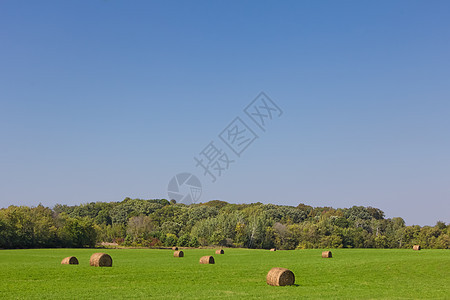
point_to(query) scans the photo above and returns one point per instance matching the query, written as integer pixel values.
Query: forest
(163, 223)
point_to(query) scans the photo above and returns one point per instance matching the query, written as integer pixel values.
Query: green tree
(77, 232)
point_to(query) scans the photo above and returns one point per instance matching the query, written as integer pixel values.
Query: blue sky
(102, 100)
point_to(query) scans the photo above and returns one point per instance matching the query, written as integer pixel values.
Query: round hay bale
(219, 251)
(273, 249)
(178, 254)
(416, 247)
(71, 260)
(326, 254)
(100, 260)
(280, 277)
(174, 248)
(207, 259)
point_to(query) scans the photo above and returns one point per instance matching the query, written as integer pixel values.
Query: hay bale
(178, 254)
(219, 251)
(326, 254)
(416, 247)
(273, 249)
(174, 248)
(100, 260)
(280, 277)
(207, 259)
(71, 260)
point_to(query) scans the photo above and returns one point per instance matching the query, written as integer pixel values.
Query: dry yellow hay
(174, 248)
(219, 251)
(71, 260)
(280, 277)
(178, 254)
(273, 249)
(326, 254)
(207, 260)
(100, 260)
(416, 247)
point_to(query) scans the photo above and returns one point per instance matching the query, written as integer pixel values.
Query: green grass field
(238, 274)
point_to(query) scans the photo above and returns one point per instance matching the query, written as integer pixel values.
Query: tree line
(159, 222)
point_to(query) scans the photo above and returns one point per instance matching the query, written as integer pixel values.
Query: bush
(194, 242)
(183, 241)
(171, 240)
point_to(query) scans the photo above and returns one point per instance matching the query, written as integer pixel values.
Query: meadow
(237, 274)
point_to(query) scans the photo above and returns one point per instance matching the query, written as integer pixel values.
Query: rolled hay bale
(71, 260)
(100, 260)
(416, 247)
(273, 249)
(280, 277)
(219, 251)
(207, 260)
(174, 248)
(178, 254)
(326, 254)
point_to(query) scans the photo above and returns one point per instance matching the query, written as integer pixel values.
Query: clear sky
(102, 100)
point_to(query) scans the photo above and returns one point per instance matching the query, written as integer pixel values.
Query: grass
(238, 274)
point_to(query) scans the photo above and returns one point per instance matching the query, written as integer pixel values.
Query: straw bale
(71, 260)
(280, 277)
(207, 259)
(326, 254)
(178, 254)
(100, 260)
